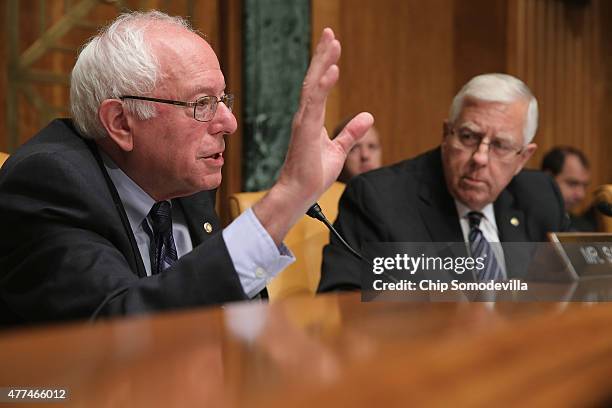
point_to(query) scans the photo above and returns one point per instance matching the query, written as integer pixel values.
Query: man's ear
(113, 117)
(525, 156)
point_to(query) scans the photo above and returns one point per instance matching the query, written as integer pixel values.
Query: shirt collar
(487, 211)
(136, 201)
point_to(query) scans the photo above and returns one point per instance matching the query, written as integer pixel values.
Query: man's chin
(210, 183)
(474, 200)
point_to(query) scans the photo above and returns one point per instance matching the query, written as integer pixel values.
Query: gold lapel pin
(207, 227)
(514, 221)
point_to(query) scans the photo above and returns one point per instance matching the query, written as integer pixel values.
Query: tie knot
(474, 218)
(160, 216)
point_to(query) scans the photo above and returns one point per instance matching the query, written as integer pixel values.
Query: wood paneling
(479, 38)
(395, 63)
(326, 13)
(558, 48)
(403, 60)
(605, 16)
(230, 54)
(3, 79)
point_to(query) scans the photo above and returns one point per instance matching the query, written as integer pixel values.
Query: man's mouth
(215, 159)
(473, 181)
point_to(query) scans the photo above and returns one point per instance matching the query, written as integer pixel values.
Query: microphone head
(315, 212)
(605, 208)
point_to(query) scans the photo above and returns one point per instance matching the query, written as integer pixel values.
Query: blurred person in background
(571, 170)
(366, 155)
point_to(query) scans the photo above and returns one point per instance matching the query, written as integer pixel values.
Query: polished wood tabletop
(332, 350)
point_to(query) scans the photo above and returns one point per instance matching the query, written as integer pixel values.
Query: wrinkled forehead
(188, 64)
(501, 119)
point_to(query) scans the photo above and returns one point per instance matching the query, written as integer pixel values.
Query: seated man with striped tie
(112, 212)
(471, 189)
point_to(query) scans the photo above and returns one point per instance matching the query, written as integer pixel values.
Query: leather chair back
(3, 157)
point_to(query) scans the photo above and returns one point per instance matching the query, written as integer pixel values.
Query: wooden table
(331, 350)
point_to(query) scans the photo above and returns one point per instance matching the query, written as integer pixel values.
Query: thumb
(354, 130)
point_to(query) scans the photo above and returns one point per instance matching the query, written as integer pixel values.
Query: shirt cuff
(255, 256)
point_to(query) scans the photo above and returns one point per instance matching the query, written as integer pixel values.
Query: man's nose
(481, 155)
(224, 121)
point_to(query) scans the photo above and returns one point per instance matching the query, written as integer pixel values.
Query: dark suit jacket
(409, 202)
(67, 250)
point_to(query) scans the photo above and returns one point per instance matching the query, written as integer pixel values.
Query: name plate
(585, 255)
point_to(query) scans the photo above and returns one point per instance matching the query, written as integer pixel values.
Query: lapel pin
(207, 227)
(514, 221)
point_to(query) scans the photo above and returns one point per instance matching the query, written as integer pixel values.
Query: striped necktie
(480, 248)
(162, 250)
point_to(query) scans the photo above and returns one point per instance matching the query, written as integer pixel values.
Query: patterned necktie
(162, 250)
(480, 247)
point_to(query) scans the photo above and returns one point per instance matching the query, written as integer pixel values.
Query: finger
(328, 80)
(323, 47)
(322, 75)
(313, 102)
(354, 130)
(326, 54)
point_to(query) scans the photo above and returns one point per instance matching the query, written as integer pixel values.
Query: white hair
(499, 88)
(118, 61)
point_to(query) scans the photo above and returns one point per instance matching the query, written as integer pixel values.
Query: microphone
(316, 212)
(604, 207)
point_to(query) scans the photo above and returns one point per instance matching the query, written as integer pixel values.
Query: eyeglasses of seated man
(499, 148)
(204, 108)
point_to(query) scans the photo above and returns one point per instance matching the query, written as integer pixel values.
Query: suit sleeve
(60, 256)
(358, 223)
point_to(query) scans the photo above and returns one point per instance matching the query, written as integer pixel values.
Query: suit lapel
(436, 205)
(439, 216)
(438, 212)
(510, 220)
(135, 260)
(512, 228)
(199, 211)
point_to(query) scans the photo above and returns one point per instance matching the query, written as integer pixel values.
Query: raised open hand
(313, 161)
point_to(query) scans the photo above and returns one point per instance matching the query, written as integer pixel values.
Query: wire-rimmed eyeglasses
(498, 148)
(204, 108)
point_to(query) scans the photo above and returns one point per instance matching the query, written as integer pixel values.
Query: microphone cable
(316, 212)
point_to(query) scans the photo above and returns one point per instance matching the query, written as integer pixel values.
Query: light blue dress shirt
(255, 256)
